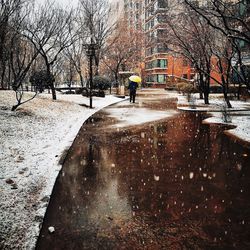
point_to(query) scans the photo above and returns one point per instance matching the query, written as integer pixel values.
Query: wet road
(168, 184)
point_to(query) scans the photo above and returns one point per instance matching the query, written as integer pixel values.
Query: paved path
(164, 184)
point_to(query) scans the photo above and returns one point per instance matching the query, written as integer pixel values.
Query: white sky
(64, 3)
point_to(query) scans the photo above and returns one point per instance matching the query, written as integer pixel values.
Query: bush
(41, 80)
(78, 91)
(179, 86)
(101, 83)
(98, 93)
(186, 88)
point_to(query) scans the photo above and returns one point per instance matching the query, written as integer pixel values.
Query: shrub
(179, 86)
(41, 80)
(188, 88)
(101, 82)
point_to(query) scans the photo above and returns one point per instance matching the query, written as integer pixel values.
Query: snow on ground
(239, 119)
(134, 115)
(131, 114)
(237, 116)
(34, 137)
(32, 140)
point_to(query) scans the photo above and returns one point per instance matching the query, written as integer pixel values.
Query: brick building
(160, 64)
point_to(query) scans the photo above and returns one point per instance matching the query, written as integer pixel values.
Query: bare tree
(22, 56)
(9, 10)
(18, 52)
(223, 53)
(69, 73)
(224, 16)
(188, 36)
(75, 53)
(231, 19)
(48, 29)
(95, 20)
(122, 50)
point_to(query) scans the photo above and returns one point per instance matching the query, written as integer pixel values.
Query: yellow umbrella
(135, 78)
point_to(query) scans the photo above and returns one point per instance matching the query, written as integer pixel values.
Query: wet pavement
(167, 184)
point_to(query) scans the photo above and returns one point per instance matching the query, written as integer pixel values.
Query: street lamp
(90, 52)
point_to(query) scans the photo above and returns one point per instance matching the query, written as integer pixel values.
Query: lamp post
(90, 52)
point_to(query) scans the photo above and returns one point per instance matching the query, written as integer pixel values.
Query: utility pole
(90, 52)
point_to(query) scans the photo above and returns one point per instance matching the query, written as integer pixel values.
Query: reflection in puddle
(173, 184)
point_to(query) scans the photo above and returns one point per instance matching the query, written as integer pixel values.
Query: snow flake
(239, 167)
(156, 177)
(191, 175)
(51, 229)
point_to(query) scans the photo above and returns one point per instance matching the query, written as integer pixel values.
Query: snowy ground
(237, 116)
(32, 140)
(129, 116)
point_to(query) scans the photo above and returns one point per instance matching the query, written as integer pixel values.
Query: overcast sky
(62, 2)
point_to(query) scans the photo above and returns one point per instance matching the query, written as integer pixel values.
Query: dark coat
(132, 86)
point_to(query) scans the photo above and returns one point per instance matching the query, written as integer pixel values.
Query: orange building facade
(160, 68)
(159, 64)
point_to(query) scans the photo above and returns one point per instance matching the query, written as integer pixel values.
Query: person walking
(132, 90)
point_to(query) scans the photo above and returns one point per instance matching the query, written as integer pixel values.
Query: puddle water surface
(168, 184)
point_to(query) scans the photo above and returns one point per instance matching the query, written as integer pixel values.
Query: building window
(162, 18)
(149, 51)
(162, 63)
(162, 48)
(161, 78)
(162, 3)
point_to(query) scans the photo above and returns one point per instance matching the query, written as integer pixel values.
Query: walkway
(167, 184)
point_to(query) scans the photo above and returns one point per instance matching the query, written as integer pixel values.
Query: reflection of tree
(163, 204)
(90, 169)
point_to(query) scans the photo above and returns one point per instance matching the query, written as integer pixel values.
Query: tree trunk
(227, 99)
(239, 92)
(96, 65)
(225, 91)
(81, 78)
(2, 77)
(14, 107)
(53, 91)
(51, 84)
(206, 97)
(116, 78)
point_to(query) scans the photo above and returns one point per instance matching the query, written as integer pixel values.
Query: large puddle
(168, 184)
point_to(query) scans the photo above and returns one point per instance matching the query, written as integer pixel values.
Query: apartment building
(149, 16)
(133, 12)
(116, 11)
(159, 64)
